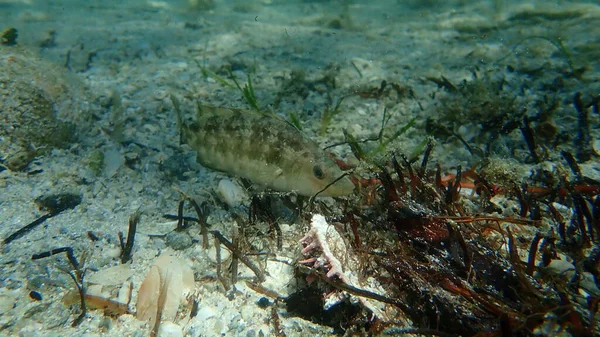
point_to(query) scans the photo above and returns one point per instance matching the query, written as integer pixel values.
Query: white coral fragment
(328, 250)
(320, 236)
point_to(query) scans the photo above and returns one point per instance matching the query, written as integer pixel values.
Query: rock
(41, 104)
(179, 240)
(176, 167)
(561, 267)
(205, 313)
(169, 329)
(231, 193)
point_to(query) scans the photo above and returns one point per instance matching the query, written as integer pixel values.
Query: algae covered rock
(40, 105)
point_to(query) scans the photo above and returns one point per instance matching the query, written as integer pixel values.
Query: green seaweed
(295, 120)
(96, 161)
(247, 91)
(8, 37)
(369, 156)
(481, 101)
(207, 73)
(328, 115)
(559, 45)
(248, 94)
(356, 149)
(384, 144)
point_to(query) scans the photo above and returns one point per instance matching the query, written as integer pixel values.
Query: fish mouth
(340, 187)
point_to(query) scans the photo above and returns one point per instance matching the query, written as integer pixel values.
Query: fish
(266, 150)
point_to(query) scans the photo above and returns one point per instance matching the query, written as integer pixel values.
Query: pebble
(169, 329)
(205, 313)
(263, 302)
(560, 266)
(179, 240)
(231, 193)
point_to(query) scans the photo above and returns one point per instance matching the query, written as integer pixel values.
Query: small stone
(18, 161)
(231, 193)
(205, 313)
(34, 295)
(179, 240)
(561, 267)
(139, 333)
(263, 302)
(596, 145)
(8, 37)
(137, 187)
(169, 329)
(176, 167)
(56, 203)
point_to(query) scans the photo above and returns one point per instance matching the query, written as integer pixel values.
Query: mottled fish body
(265, 150)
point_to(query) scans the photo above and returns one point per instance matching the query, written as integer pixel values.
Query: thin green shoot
(383, 144)
(247, 92)
(357, 151)
(418, 150)
(208, 73)
(558, 44)
(328, 115)
(177, 107)
(295, 120)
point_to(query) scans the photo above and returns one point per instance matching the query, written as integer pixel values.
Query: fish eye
(318, 172)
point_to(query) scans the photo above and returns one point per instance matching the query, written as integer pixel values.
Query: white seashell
(113, 160)
(167, 283)
(111, 276)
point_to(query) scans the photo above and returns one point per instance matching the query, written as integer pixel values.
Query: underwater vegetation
(506, 246)
(467, 273)
(483, 251)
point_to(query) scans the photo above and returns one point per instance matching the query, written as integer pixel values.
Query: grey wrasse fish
(263, 149)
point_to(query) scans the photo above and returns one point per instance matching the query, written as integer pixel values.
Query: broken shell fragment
(165, 287)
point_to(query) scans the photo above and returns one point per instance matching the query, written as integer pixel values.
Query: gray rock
(179, 240)
(41, 104)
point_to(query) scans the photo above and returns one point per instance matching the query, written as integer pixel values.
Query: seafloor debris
(54, 204)
(165, 287)
(462, 270)
(328, 250)
(77, 274)
(8, 36)
(127, 245)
